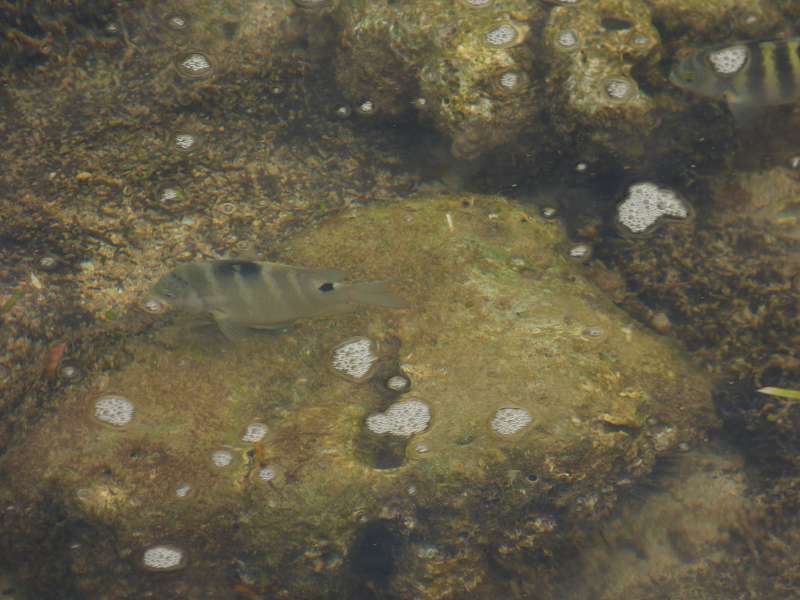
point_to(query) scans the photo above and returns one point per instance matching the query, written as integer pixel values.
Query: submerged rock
(498, 321)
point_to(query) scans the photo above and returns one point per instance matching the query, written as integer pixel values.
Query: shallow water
(601, 271)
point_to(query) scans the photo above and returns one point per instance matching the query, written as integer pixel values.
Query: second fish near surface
(749, 76)
(242, 294)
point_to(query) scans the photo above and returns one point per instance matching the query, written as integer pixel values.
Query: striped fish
(243, 294)
(747, 75)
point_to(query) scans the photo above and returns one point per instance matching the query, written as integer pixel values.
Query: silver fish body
(747, 75)
(243, 294)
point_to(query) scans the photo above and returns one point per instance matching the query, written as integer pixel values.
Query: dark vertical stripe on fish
(783, 68)
(297, 289)
(772, 83)
(755, 75)
(244, 281)
(204, 284)
(283, 294)
(793, 57)
(197, 276)
(246, 268)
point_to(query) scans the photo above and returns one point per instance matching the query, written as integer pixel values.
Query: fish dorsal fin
(331, 275)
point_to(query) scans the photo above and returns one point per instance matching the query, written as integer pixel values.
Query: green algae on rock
(499, 321)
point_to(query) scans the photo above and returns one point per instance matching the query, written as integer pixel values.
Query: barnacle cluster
(645, 205)
(404, 419)
(729, 60)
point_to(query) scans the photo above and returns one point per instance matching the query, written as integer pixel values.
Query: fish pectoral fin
(275, 328)
(232, 330)
(745, 114)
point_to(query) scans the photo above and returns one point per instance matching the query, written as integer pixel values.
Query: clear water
(601, 273)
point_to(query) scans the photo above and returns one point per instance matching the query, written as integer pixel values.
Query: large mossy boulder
(499, 318)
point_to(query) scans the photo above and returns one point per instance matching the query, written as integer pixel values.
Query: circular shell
(163, 558)
(48, 263)
(366, 108)
(579, 252)
(399, 383)
(255, 432)
(728, 61)
(266, 474)
(113, 410)
(193, 65)
(355, 359)
(511, 82)
(69, 372)
(509, 421)
(620, 89)
(504, 35)
(549, 212)
(154, 306)
(168, 197)
(178, 22)
(566, 40)
(185, 142)
(221, 458)
(342, 111)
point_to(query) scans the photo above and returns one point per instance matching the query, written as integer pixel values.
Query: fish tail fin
(376, 293)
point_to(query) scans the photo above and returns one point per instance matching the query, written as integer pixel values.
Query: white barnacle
(730, 60)
(398, 383)
(163, 557)
(508, 421)
(266, 474)
(567, 39)
(580, 252)
(185, 141)
(502, 36)
(154, 306)
(221, 458)
(646, 204)
(620, 88)
(367, 107)
(255, 432)
(404, 419)
(168, 194)
(194, 65)
(354, 359)
(114, 410)
(178, 22)
(509, 80)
